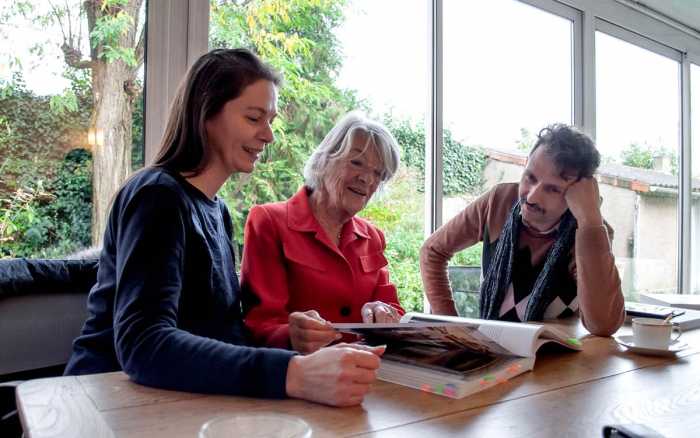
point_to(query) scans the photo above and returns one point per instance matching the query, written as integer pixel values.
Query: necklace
(315, 210)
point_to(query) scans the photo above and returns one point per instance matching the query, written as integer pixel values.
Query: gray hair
(339, 142)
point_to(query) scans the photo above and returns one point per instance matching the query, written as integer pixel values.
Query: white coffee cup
(653, 333)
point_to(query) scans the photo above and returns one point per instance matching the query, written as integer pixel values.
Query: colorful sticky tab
(573, 341)
(486, 379)
(426, 388)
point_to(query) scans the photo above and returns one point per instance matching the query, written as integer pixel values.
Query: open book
(455, 356)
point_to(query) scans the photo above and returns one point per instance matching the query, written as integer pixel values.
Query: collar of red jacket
(300, 217)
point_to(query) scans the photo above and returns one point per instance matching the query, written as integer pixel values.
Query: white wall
(656, 245)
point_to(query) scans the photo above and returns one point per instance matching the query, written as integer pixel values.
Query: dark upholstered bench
(42, 309)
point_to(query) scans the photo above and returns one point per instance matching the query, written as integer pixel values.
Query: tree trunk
(113, 97)
(111, 156)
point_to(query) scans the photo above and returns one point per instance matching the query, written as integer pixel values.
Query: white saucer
(673, 348)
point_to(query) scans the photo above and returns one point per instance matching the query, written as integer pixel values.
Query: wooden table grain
(567, 394)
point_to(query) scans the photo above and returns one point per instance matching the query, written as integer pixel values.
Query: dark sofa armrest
(31, 276)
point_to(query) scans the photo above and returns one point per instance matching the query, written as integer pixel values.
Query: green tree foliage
(642, 156)
(44, 198)
(138, 146)
(526, 141)
(70, 213)
(45, 175)
(295, 37)
(112, 57)
(637, 156)
(399, 209)
(398, 212)
(463, 164)
(51, 219)
(34, 133)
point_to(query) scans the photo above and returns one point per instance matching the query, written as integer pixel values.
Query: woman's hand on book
(308, 331)
(378, 311)
(340, 375)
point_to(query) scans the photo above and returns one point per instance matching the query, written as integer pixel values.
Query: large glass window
(71, 120)
(695, 196)
(637, 125)
(507, 74)
(336, 57)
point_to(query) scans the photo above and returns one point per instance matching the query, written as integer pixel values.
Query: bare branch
(54, 12)
(139, 31)
(70, 25)
(140, 48)
(74, 58)
(91, 12)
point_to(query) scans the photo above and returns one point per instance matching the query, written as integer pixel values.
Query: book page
(562, 334)
(459, 361)
(426, 336)
(487, 336)
(516, 338)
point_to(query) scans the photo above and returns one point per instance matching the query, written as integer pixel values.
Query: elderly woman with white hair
(310, 259)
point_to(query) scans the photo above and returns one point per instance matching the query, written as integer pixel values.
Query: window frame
(630, 22)
(683, 200)
(170, 51)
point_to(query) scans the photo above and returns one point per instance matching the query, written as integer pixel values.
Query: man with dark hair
(547, 250)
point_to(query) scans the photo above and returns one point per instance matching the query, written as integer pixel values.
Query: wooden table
(567, 394)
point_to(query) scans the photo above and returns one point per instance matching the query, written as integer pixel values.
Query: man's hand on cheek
(583, 200)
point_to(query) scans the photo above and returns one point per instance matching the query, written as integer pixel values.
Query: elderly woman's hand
(308, 331)
(377, 311)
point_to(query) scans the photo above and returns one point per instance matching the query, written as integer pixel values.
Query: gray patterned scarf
(498, 277)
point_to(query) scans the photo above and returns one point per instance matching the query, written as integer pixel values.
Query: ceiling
(684, 11)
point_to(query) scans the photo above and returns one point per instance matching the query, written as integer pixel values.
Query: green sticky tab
(489, 377)
(573, 341)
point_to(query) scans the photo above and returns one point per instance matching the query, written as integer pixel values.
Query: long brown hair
(214, 79)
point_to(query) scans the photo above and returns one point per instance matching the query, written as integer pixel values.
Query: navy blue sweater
(166, 306)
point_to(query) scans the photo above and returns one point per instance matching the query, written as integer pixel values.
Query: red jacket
(289, 265)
